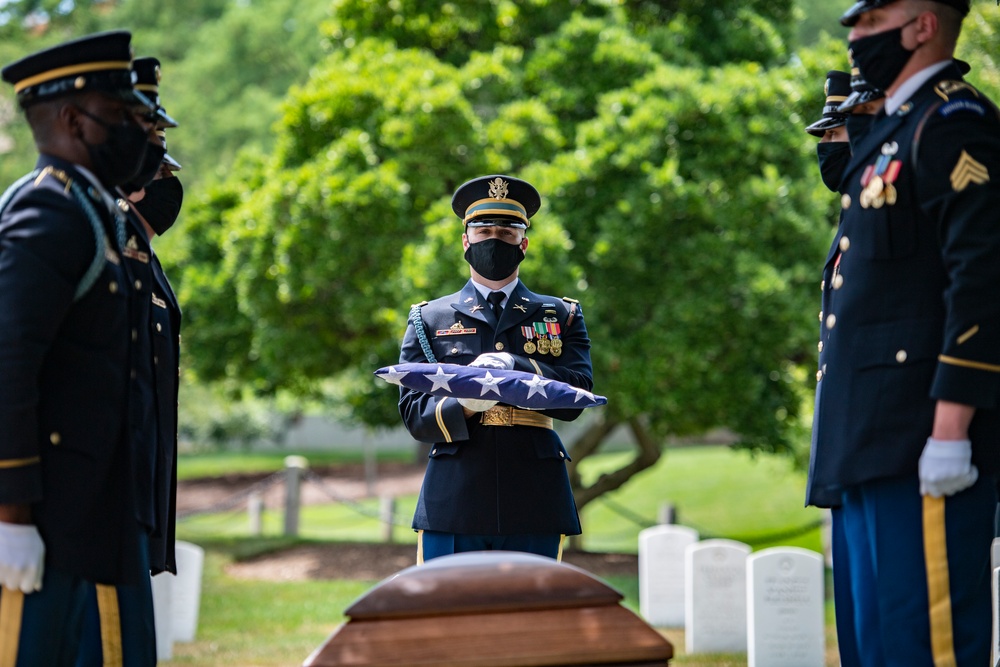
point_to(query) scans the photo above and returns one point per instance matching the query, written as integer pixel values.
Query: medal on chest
(877, 180)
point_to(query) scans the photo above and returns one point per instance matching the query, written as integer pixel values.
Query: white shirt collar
(911, 86)
(507, 289)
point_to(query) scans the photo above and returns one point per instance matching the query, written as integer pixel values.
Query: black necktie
(495, 298)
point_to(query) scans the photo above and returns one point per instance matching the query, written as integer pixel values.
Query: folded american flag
(517, 388)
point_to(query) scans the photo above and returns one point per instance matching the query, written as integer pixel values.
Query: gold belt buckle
(498, 415)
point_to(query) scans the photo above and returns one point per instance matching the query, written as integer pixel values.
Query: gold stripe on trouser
(562, 540)
(938, 585)
(111, 625)
(11, 609)
(420, 547)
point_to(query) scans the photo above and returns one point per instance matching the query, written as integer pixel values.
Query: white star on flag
(536, 385)
(440, 380)
(580, 393)
(489, 383)
(394, 376)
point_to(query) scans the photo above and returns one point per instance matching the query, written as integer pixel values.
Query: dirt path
(342, 560)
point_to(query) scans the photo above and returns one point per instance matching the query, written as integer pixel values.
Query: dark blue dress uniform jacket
(142, 404)
(494, 480)
(153, 409)
(911, 294)
(166, 326)
(64, 378)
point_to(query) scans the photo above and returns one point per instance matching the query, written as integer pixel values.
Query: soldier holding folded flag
(497, 476)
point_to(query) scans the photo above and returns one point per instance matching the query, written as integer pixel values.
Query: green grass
(195, 466)
(720, 492)
(717, 491)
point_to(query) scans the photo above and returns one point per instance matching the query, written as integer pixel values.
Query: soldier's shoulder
(960, 100)
(429, 308)
(42, 201)
(439, 302)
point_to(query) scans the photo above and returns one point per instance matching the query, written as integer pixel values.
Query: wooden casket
(492, 608)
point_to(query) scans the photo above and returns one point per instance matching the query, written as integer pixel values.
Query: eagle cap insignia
(498, 188)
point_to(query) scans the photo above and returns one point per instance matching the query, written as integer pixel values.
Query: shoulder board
(569, 300)
(949, 88)
(418, 305)
(57, 174)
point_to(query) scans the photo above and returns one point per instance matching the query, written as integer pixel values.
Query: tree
(681, 204)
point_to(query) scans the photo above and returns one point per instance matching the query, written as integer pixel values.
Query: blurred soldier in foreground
(497, 474)
(907, 428)
(67, 510)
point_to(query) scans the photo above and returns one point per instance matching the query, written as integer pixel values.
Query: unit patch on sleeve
(957, 106)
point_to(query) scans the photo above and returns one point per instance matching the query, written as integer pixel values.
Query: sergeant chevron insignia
(968, 171)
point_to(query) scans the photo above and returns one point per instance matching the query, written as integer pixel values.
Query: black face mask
(147, 171)
(162, 203)
(117, 159)
(494, 259)
(833, 158)
(858, 125)
(881, 57)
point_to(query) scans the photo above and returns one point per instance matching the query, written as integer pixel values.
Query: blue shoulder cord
(418, 327)
(97, 265)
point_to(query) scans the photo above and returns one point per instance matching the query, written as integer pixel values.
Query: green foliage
(451, 30)
(700, 249)
(213, 420)
(980, 35)
(680, 204)
(818, 17)
(226, 68)
(583, 59)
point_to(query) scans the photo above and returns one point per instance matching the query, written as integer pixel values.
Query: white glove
(22, 557)
(945, 467)
(476, 404)
(498, 360)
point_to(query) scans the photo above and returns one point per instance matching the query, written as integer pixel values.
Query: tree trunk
(647, 454)
(587, 444)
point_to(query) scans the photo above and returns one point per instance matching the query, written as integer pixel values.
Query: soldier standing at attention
(120, 628)
(907, 426)
(497, 476)
(67, 511)
(834, 152)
